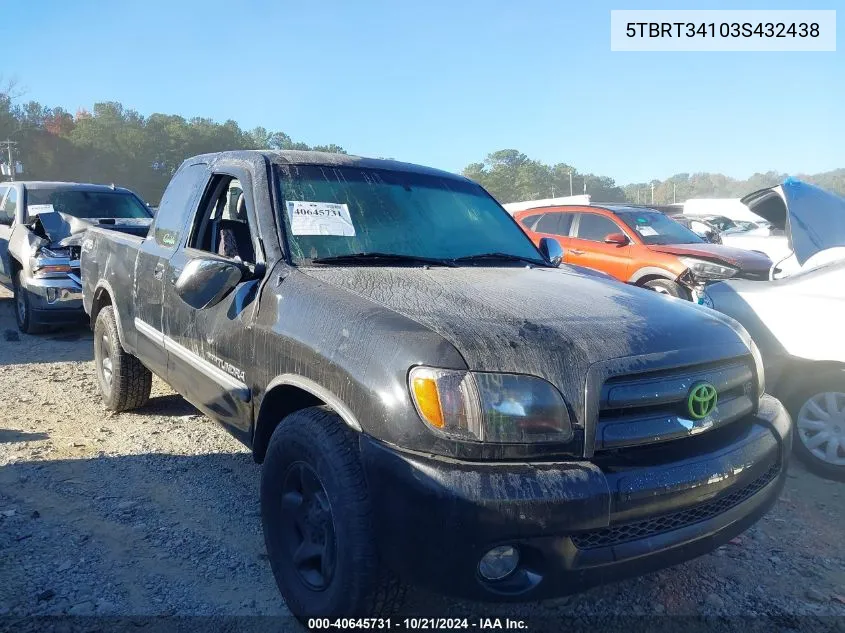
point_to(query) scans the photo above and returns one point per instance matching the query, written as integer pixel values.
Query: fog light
(52, 295)
(498, 562)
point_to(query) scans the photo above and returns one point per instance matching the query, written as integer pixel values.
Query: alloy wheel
(309, 526)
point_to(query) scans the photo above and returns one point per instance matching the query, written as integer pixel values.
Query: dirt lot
(156, 512)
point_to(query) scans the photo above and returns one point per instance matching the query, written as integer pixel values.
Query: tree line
(511, 176)
(114, 144)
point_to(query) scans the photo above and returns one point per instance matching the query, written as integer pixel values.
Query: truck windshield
(348, 214)
(87, 205)
(653, 227)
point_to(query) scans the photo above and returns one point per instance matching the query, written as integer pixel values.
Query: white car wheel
(821, 427)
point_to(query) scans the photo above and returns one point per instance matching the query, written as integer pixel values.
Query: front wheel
(317, 521)
(23, 307)
(818, 409)
(667, 287)
(124, 381)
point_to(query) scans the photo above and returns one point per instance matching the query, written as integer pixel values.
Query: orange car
(641, 246)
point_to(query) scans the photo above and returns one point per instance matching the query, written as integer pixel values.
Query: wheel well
(102, 298)
(646, 278)
(278, 403)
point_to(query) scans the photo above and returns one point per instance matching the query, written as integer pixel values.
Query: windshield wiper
(506, 257)
(376, 258)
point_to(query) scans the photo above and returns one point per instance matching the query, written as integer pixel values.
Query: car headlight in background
(702, 269)
(50, 262)
(490, 407)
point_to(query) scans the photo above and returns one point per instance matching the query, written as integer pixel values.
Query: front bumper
(55, 301)
(576, 524)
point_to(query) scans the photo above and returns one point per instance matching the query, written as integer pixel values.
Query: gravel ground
(156, 513)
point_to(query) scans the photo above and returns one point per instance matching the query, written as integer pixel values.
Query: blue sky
(441, 82)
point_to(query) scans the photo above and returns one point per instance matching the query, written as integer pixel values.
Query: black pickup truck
(435, 401)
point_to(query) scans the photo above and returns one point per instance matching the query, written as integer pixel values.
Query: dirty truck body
(40, 232)
(515, 430)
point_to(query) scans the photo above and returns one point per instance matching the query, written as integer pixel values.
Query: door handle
(159, 271)
(576, 252)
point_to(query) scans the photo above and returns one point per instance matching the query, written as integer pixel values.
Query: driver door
(210, 349)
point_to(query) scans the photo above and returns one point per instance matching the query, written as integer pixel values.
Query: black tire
(803, 393)
(668, 287)
(23, 307)
(124, 381)
(314, 498)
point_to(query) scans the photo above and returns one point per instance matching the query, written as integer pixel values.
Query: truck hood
(61, 229)
(813, 218)
(744, 260)
(547, 322)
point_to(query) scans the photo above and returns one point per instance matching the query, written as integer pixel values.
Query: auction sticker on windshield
(319, 218)
(646, 230)
(36, 209)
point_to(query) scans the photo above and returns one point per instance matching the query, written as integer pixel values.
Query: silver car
(41, 228)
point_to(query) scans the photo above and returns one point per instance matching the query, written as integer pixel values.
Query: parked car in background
(700, 227)
(41, 226)
(640, 246)
(797, 323)
(432, 398)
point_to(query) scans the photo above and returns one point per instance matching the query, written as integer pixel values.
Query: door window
(4, 219)
(7, 212)
(555, 224)
(595, 227)
(222, 225)
(176, 204)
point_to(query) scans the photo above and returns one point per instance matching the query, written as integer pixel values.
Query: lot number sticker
(646, 230)
(37, 209)
(319, 218)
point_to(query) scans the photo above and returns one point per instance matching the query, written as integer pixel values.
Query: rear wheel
(124, 381)
(818, 409)
(317, 521)
(667, 287)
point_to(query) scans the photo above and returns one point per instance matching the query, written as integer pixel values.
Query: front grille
(648, 408)
(625, 532)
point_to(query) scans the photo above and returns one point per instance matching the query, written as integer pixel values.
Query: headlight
(702, 269)
(487, 407)
(51, 262)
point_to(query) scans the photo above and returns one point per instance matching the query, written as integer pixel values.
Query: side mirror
(551, 250)
(206, 282)
(620, 239)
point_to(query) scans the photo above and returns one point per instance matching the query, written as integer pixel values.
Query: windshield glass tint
(653, 227)
(330, 212)
(89, 204)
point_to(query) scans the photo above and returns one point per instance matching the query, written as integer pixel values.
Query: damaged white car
(806, 226)
(41, 228)
(797, 320)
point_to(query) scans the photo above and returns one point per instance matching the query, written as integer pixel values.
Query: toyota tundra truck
(435, 400)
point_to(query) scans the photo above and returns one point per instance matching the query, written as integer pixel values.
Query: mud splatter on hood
(547, 322)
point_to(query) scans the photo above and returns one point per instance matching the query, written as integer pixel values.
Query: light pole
(570, 182)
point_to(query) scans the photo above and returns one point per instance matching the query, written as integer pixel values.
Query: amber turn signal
(428, 400)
